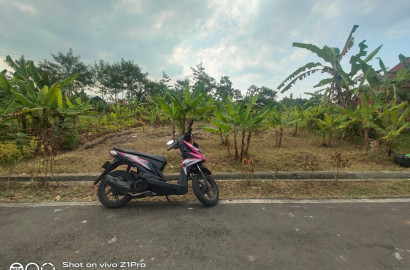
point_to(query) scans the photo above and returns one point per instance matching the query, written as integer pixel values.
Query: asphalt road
(280, 235)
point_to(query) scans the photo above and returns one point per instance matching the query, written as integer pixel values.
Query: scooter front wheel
(105, 194)
(205, 190)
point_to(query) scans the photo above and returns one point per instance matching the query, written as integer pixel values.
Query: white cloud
(249, 41)
(24, 7)
(299, 54)
(229, 14)
(326, 9)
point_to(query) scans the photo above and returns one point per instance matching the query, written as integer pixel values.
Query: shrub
(13, 151)
(70, 138)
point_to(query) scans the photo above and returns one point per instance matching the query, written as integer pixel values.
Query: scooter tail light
(113, 153)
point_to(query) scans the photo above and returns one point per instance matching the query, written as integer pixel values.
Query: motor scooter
(144, 175)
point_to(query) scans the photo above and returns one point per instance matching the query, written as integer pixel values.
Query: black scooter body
(150, 169)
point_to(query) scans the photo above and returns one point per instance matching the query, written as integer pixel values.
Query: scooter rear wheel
(105, 195)
(205, 190)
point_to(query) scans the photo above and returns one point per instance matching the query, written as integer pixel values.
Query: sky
(249, 41)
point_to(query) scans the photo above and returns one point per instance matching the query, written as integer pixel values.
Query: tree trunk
(235, 144)
(295, 133)
(183, 125)
(324, 139)
(243, 144)
(280, 137)
(173, 131)
(227, 143)
(388, 147)
(23, 121)
(248, 141)
(366, 139)
(222, 138)
(329, 141)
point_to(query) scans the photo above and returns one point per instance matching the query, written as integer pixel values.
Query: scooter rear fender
(108, 168)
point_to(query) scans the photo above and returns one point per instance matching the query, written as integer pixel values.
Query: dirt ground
(298, 153)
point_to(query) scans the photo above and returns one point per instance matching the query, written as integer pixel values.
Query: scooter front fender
(108, 168)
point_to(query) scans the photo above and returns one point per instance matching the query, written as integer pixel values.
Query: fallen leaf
(57, 198)
(251, 258)
(112, 240)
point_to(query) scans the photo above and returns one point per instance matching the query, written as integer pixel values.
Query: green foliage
(69, 137)
(341, 84)
(191, 106)
(330, 123)
(394, 123)
(12, 151)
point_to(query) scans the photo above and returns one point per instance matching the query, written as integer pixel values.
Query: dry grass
(295, 153)
(86, 191)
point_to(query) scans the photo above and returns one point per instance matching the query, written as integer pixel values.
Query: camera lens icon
(32, 266)
(16, 266)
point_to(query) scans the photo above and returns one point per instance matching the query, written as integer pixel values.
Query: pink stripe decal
(196, 153)
(139, 160)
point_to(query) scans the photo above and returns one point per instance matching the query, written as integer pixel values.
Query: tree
(224, 89)
(63, 66)
(113, 79)
(296, 115)
(221, 120)
(191, 105)
(340, 83)
(33, 96)
(393, 123)
(366, 115)
(387, 86)
(289, 102)
(165, 80)
(134, 81)
(202, 80)
(101, 77)
(330, 123)
(171, 111)
(278, 123)
(266, 95)
(179, 86)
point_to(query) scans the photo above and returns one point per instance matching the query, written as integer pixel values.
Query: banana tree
(330, 123)
(278, 122)
(154, 112)
(235, 109)
(34, 96)
(222, 123)
(394, 123)
(367, 116)
(256, 121)
(313, 113)
(340, 82)
(386, 86)
(296, 115)
(191, 106)
(171, 111)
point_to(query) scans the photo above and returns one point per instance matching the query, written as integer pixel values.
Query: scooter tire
(198, 186)
(102, 196)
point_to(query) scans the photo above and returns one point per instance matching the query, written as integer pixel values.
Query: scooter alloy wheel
(105, 194)
(205, 190)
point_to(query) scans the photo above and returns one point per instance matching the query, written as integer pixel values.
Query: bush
(70, 138)
(13, 151)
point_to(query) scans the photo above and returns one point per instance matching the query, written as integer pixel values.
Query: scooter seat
(151, 156)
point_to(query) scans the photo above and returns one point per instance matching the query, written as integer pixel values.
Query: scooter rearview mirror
(170, 142)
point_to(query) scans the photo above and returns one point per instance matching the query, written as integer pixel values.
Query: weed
(248, 165)
(339, 161)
